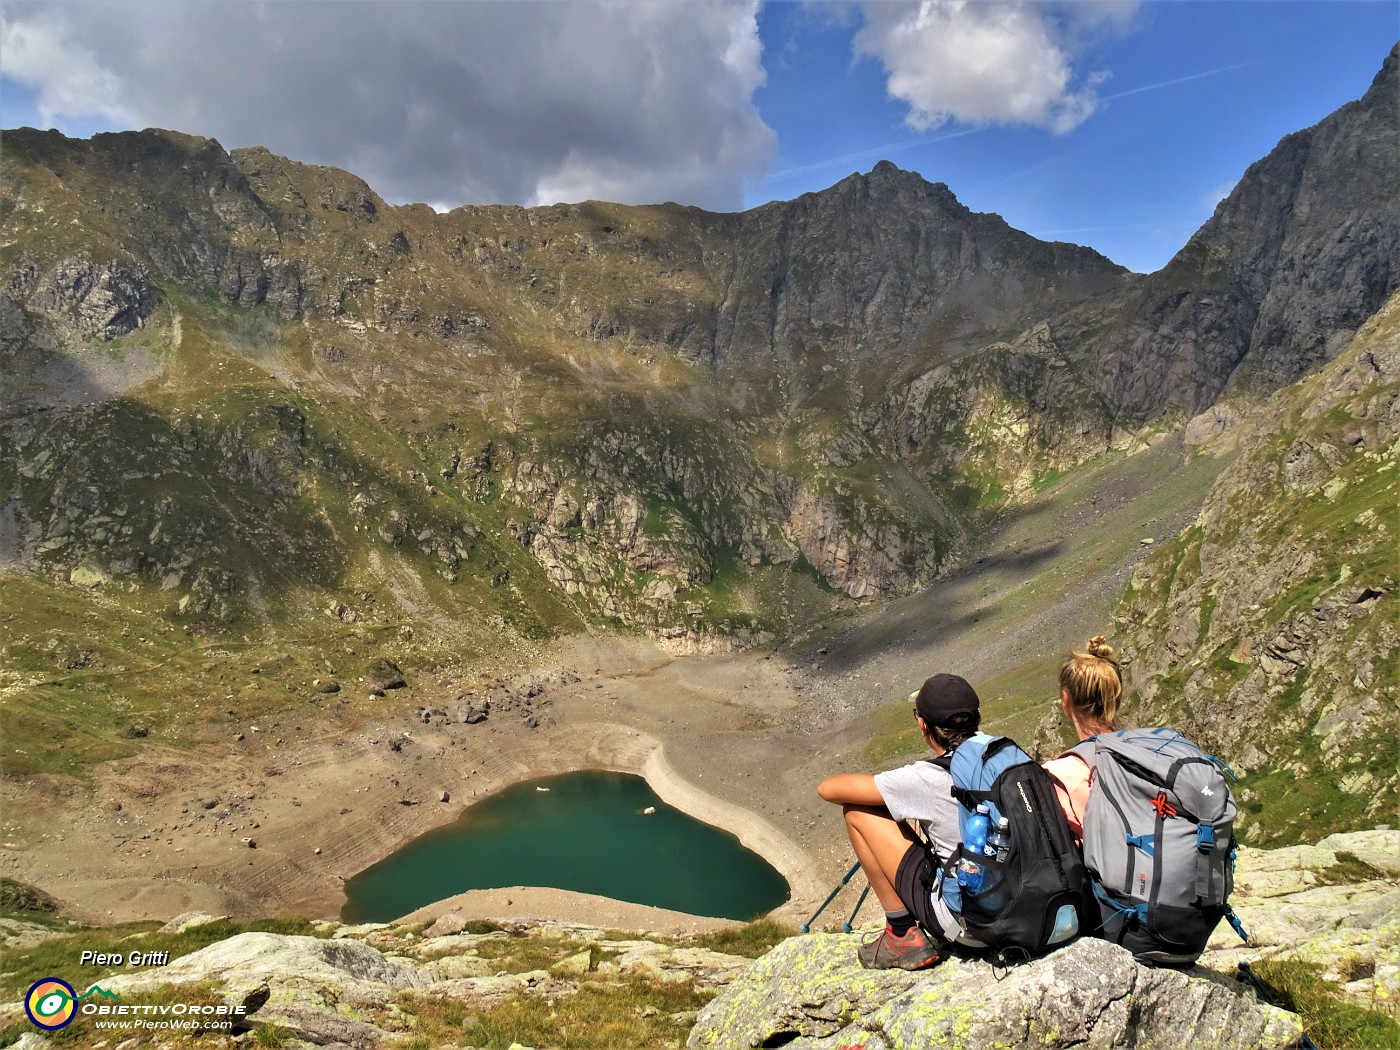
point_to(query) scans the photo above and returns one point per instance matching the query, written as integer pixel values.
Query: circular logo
(50, 1004)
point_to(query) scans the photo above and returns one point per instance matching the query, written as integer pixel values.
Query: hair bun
(1098, 646)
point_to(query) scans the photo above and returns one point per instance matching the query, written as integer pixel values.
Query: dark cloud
(445, 102)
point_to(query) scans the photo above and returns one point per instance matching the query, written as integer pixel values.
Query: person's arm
(857, 789)
(1071, 775)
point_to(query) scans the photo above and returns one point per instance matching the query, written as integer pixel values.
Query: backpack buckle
(1144, 843)
(1205, 838)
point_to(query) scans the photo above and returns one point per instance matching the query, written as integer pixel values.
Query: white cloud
(438, 101)
(70, 79)
(1005, 62)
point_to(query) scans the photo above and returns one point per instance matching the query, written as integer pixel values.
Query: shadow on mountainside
(976, 592)
(1046, 577)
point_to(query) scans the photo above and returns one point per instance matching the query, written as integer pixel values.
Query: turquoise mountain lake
(590, 833)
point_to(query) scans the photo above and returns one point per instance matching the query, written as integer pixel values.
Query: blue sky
(1117, 124)
(1139, 175)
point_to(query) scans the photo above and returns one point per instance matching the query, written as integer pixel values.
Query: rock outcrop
(81, 298)
(1270, 628)
(314, 987)
(1334, 905)
(811, 992)
(356, 986)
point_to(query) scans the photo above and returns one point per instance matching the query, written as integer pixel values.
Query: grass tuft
(605, 1012)
(21, 901)
(1348, 870)
(749, 941)
(1329, 1020)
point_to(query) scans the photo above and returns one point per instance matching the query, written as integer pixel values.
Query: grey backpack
(1158, 842)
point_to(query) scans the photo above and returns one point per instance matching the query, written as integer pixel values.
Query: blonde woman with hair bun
(1091, 688)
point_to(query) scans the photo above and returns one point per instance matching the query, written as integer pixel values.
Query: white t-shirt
(923, 791)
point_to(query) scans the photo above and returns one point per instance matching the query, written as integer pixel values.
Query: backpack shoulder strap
(976, 764)
(996, 744)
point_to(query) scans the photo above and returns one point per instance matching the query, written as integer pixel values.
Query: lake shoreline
(591, 831)
(293, 819)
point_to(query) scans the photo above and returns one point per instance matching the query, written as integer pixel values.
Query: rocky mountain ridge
(1270, 628)
(257, 418)
(1272, 286)
(840, 384)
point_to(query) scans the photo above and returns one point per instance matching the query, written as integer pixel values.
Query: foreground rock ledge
(343, 989)
(811, 992)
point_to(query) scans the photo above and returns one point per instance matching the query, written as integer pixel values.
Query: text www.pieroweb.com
(184, 1017)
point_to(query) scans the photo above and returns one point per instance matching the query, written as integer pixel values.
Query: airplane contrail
(1178, 80)
(871, 151)
(899, 147)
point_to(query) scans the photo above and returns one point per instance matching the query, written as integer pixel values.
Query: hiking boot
(913, 951)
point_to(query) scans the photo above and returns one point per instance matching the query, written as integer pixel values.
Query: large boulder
(811, 992)
(314, 988)
(1379, 848)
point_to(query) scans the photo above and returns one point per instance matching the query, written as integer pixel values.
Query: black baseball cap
(944, 696)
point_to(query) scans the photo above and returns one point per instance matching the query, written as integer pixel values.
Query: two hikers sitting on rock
(903, 870)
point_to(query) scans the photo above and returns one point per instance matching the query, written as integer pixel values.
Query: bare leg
(880, 843)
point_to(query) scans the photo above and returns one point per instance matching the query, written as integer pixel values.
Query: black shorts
(914, 884)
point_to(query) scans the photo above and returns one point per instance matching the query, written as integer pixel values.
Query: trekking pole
(806, 927)
(846, 926)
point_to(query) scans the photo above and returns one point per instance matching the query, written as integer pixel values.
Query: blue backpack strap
(970, 799)
(944, 884)
(1138, 912)
(998, 744)
(977, 763)
(965, 764)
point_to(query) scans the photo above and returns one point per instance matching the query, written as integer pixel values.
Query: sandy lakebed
(275, 822)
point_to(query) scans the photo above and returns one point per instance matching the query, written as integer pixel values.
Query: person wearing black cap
(900, 868)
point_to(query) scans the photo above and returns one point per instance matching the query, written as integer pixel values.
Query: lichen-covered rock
(1295, 905)
(188, 920)
(667, 963)
(1379, 848)
(18, 934)
(491, 989)
(446, 925)
(810, 992)
(315, 988)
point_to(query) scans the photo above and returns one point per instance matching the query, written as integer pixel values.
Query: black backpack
(1036, 898)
